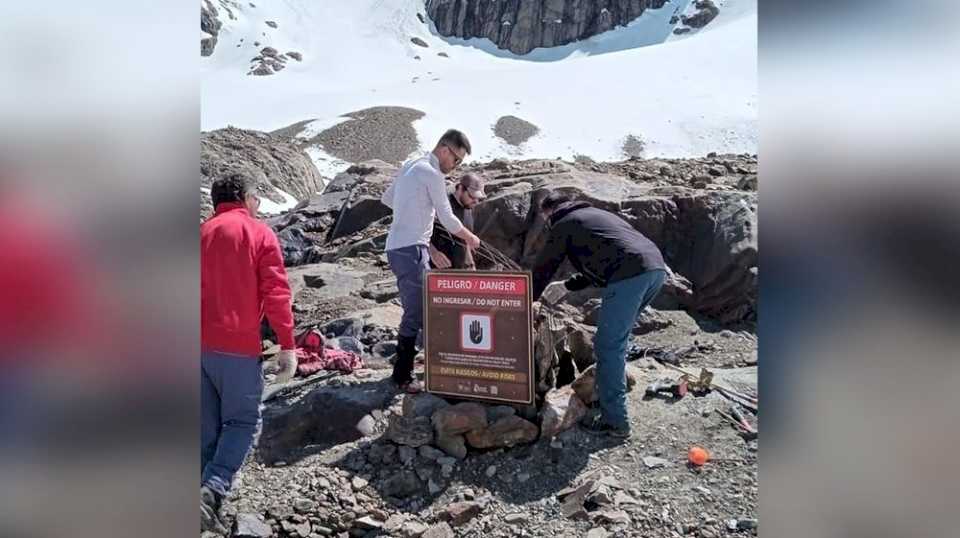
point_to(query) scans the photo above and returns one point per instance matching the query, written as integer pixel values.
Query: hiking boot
(209, 509)
(596, 424)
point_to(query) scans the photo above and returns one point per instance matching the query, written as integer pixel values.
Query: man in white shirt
(417, 195)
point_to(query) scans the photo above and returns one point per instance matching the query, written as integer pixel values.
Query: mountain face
(523, 25)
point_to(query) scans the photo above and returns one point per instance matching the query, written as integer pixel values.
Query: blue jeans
(622, 301)
(409, 264)
(230, 390)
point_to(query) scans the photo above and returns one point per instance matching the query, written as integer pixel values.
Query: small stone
(703, 490)
(407, 454)
(368, 523)
(621, 499)
(459, 419)
(358, 483)
(453, 445)
(441, 530)
(459, 513)
(446, 470)
(430, 453)
(746, 524)
(597, 532)
(653, 462)
(562, 409)
(433, 487)
(602, 496)
(413, 529)
(443, 460)
(414, 432)
(516, 519)
(250, 526)
(491, 471)
(616, 517)
(402, 484)
(523, 477)
(303, 505)
(732, 524)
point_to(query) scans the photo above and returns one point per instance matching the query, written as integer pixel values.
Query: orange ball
(698, 456)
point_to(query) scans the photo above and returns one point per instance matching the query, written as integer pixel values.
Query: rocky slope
(521, 26)
(275, 161)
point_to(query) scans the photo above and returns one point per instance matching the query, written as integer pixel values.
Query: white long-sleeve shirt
(417, 195)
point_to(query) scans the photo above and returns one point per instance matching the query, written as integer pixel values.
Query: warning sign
(477, 331)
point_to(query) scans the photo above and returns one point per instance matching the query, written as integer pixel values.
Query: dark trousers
(230, 390)
(409, 264)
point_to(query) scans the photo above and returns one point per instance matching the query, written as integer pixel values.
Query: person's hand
(287, 360)
(470, 239)
(439, 259)
(577, 282)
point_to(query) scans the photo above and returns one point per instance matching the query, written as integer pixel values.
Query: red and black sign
(477, 335)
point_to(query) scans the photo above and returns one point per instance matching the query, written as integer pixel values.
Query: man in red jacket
(242, 278)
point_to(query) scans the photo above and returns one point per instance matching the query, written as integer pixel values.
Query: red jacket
(241, 279)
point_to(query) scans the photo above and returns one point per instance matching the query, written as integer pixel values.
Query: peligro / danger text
(479, 285)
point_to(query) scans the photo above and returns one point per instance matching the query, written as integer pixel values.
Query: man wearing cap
(445, 251)
(417, 195)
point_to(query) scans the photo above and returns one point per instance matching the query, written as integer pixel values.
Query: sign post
(477, 335)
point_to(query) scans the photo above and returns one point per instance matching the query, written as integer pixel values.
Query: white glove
(287, 360)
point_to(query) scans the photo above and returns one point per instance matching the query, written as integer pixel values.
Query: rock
(289, 425)
(295, 55)
(443, 55)
(621, 499)
(601, 496)
(414, 432)
(384, 454)
(358, 483)
(419, 42)
(368, 523)
(521, 27)
(209, 24)
(422, 405)
(580, 342)
(413, 529)
(407, 454)
(491, 471)
(402, 484)
(651, 320)
(572, 499)
(433, 487)
(430, 453)
(459, 418)
(251, 526)
(440, 530)
(707, 11)
(274, 162)
(616, 517)
(296, 529)
(338, 327)
(653, 462)
(585, 385)
(357, 214)
(514, 131)
(381, 291)
(461, 512)
(496, 412)
(271, 24)
(506, 432)
(516, 519)
(304, 505)
(748, 183)
(597, 532)
(562, 409)
(453, 445)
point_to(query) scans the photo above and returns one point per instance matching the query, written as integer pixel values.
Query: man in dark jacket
(242, 279)
(445, 250)
(610, 254)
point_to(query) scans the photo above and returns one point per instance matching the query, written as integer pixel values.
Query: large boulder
(280, 166)
(562, 409)
(521, 27)
(505, 432)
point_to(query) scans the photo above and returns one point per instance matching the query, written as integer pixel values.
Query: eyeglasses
(457, 159)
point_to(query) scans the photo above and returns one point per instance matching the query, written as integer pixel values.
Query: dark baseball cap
(474, 185)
